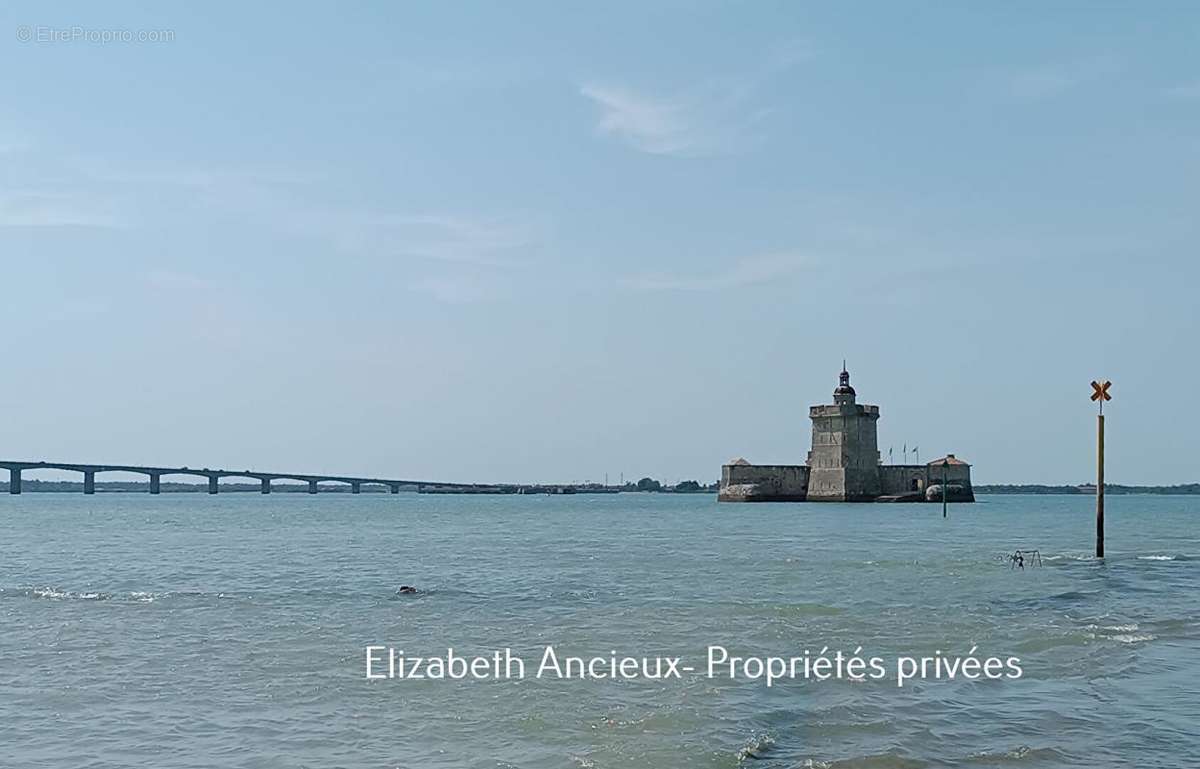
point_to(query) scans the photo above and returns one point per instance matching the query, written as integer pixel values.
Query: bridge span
(154, 474)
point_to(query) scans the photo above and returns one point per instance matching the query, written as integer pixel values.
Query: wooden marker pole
(1100, 394)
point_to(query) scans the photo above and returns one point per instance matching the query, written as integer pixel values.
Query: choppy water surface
(194, 631)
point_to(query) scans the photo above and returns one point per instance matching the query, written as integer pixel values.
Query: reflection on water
(179, 631)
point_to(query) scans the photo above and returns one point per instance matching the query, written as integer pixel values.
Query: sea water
(186, 630)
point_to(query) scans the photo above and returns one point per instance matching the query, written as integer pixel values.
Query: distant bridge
(214, 476)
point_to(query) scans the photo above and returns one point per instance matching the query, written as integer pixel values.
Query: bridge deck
(212, 474)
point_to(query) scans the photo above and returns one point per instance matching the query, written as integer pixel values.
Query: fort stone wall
(744, 482)
(903, 479)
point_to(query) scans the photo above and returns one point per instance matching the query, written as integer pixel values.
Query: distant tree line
(683, 487)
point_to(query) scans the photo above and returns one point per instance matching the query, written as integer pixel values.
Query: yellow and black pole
(1100, 394)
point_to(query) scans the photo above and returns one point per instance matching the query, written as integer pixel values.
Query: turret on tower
(844, 392)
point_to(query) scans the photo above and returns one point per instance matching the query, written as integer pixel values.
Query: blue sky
(550, 241)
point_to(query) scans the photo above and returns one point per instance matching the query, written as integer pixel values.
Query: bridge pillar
(266, 485)
(212, 484)
(355, 487)
(14, 480)
(312, 487)
(395, 487)
(154, 483)
(89, 481)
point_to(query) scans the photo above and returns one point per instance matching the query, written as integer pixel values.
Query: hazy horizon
(477, 244)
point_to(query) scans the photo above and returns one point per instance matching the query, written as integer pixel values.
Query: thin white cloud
(749, 271)
(53, 188)
(454, 258)
(714, 119)
(46, 209)
(650, 125)
(716, 116)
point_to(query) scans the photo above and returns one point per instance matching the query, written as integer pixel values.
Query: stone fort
(844, 465)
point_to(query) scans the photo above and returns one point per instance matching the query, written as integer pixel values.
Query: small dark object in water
(406, 590)
(1018, 558)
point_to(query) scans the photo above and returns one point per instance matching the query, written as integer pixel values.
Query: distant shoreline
(34, 485)
(1109, 488)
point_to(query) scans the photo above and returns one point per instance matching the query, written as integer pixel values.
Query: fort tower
(844, 462)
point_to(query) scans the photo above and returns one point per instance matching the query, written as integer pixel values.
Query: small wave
(1133, 638)
(134, 596)
(849, 725)
(1126, 632)
(52, 594)
(1157, 557)
(877, 761)
(619, 723)
(1022, 754)
(1174, 627)
(1119, 628)
(1045, 643)
(756, 747)
(1075, 595)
